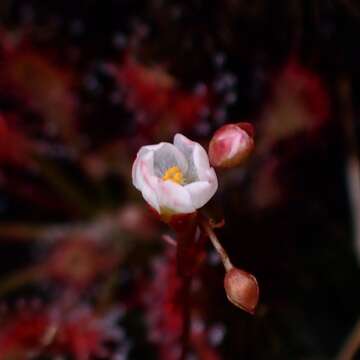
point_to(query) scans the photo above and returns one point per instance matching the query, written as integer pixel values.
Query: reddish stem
(206, 225)
(189, 250)
(185, 337)
(187, 245)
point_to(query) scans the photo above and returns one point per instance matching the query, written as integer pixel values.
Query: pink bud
(242, 289)
(231, 145)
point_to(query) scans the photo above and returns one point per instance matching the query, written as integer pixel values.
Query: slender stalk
(215, 241)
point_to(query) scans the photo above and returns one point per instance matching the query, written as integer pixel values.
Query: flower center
(174, 174)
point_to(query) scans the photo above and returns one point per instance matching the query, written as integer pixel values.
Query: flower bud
(231, 145)
(242, 289)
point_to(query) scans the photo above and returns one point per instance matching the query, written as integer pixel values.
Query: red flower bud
(242, 289)
(231, 145)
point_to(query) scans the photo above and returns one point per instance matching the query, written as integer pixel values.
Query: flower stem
(188, 247)
(215, 241)
(185, 337)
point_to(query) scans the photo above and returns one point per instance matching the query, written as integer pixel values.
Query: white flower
(174, 178)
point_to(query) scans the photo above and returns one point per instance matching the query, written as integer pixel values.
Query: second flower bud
(231, 145)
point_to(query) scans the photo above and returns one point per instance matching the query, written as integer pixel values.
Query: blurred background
(84, 84)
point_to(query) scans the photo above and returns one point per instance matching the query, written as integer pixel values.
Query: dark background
(300, 246)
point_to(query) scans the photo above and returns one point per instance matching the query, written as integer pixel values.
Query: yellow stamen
(174, 174)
